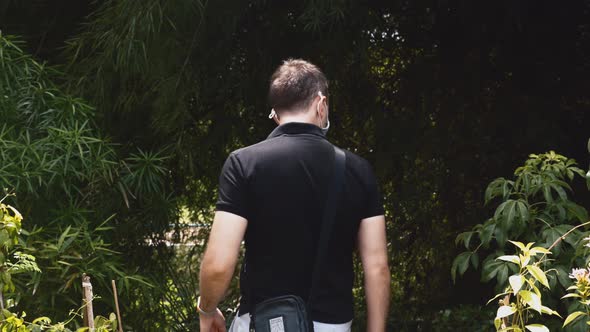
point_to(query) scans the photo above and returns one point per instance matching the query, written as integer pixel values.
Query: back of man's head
(294, 85)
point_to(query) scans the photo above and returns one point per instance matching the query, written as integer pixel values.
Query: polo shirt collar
(294, 128)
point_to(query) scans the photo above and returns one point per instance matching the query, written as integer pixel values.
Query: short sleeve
(232, 188)
(374, 201)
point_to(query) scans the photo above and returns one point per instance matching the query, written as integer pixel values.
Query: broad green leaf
(572, 317)
(474, 260)
(505, 311)
(511, 207)
(537, 328)
(523, 211)
(499, 211)
(464, 237)
(536, 272)
(562, 276)
(510, 258)
(578, 211)
(547, 193)
(531, 299)
(516, 282)
(460, 264)
(486, 233)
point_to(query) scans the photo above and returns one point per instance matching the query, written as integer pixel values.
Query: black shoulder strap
(328, 220)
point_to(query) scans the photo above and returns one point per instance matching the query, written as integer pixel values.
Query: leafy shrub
(69, 179)
(15, 262)
(534, 207)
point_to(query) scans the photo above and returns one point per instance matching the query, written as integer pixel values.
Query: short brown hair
(295, 84)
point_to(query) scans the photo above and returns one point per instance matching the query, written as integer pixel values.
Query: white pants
(242, 324)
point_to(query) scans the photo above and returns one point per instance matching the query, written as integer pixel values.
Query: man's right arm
(372, 246)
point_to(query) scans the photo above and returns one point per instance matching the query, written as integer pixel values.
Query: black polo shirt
(280, 185)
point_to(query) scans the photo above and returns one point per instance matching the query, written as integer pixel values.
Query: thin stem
(566, 234)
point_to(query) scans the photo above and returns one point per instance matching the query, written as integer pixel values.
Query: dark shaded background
(440, 96)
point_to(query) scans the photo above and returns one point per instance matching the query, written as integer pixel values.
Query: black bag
(290, 313)
(282, 314)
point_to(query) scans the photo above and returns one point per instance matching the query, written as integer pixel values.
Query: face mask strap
(322, 97)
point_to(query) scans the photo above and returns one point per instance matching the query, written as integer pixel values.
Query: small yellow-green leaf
(524, 259)
(537, 328)
(497, 323)
(510, 258)
(520, 245)
(541, 250)
(516, 282)
(572, 317)
(42, 320)
(549, 311)
(532, 299)
(505, 311)
(538, 274)
(570, 295)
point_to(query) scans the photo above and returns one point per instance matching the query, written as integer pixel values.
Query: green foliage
(48, 143)
(69, 180)
(438, 98)
(66, 254)
(10, 225)
(524, 286)
(533, 207)
(579, 291)
(12, 261)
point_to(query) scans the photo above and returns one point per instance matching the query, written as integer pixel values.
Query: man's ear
(323, 106)
(276, 118)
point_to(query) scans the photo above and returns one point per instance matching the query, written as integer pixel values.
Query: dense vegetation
(124, 111)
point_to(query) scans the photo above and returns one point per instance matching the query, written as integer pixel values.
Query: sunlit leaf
(510, 258)
(537, 328)
(516, 282)
(538, 274)
(505, 311)
(531, 299)
(572, 317)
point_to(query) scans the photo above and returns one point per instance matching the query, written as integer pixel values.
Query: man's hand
(213, 323)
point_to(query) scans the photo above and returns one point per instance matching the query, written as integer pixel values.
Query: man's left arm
(218, 265)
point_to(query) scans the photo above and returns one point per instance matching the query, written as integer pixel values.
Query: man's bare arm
(372, 245)
(221, 256)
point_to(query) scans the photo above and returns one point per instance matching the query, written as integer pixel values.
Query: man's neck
(306, 117)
